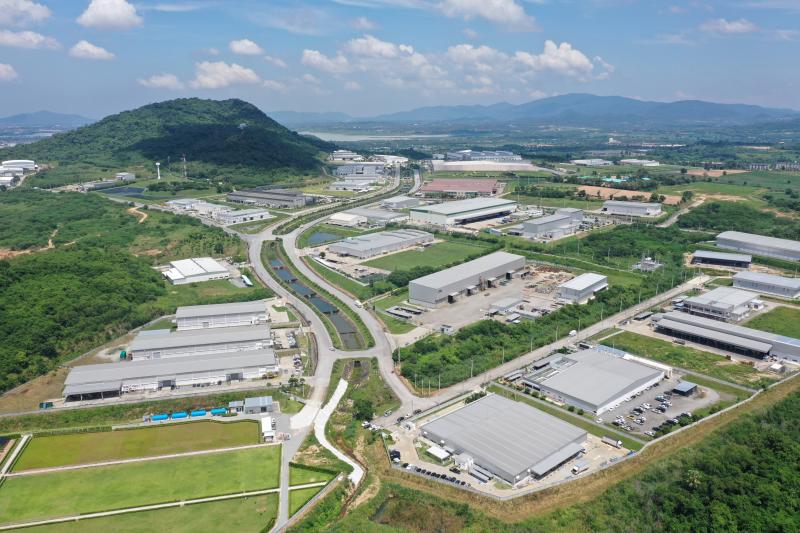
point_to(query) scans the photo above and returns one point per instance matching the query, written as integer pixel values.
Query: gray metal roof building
(510, 439)
(579, 289)
(221, 315)
(722, 258)
(759, 245)
(462, 211)
(140, 375)
(163, 344)
(768, 284)
(722, 303)
(447, 285)
(729, 337)
(562, 222)
(635, 209)
(400, 202)
(377, 216)
(270, 197)
(593, 380)
(372, 244)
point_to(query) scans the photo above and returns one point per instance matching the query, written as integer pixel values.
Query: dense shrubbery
(723, 216)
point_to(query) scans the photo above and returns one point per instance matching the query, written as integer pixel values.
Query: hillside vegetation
(229, 140)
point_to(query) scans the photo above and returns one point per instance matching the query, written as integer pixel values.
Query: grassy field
(84, 448)
(706, 363)
(566, 416)
(442, 253)
(164, 323)
(781, 320)
(255, 226)
(300, 476)
(299, 497)
(214, 291)
(361, 292)
(113, 487)
(246, 515)
(394, 325)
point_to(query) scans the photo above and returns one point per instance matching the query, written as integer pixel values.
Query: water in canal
(321, 237)
(346, 329)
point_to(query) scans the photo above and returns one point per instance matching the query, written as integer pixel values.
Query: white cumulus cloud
(85, 50)
(22, 12)
(27, 39)
(218, 74)
(332, 65)
(245, 47)
(362, 23)
(110, 14)
(560, 58)
(275, 61)
(506, 12)
(7, 72)
(162, 81)
(728, 27)
(275, 85)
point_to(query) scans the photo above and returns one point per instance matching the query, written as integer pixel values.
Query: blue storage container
(176, 416)
(218, 411)
(199, 412)
(158, 418)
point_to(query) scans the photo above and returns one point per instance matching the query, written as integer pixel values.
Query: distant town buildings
(591, 162)
(344, 155)
(640, 162)
(475, 155)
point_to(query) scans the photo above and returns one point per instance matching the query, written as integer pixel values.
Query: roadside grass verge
(299, 497)
(84, 448)
(128, 485)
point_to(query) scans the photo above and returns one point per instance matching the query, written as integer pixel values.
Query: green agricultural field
(84, 448)
(768, 179)
(128, 485)
(207, 292)
(710, 188)
(299, 475)
(299, 497)
(781, 320)
(442, 253)
(706, 363)
(246, 515)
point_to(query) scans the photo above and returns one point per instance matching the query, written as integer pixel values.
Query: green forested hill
(228, 140)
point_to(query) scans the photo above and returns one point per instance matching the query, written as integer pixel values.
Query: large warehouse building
(722, 303)
(195, 270)
(768, 284)
(377, 217)
(460, 188)
(400, 202)
(239, 216)
(160, 344)
(449, 284)
(462, 211)
(759, 245)
(372, 244)
(706, 257)
(593, 380)
(87, 382)
(728, 337)
(221, 315)
(509, 439)
(631, 209)
(564, 221)
(289, 198)
(581, 288)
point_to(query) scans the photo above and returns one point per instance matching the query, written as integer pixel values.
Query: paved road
(674, 217)
(182, 503)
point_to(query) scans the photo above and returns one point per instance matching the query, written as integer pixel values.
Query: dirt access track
(607, 193)
(141, 214)
(718, 173)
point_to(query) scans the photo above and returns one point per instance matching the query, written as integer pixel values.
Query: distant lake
(343, 137)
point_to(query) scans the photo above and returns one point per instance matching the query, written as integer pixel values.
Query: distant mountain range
(45, 119)
(567, 109)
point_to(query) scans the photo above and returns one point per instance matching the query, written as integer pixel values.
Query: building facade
(631, 209)
(722, 303)
(759, 245)
(564, 221)
(706, 257)
(768, 284)
(221, 315)
(239, 216)
(581, 288)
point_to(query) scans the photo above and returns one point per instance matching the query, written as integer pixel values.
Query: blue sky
(363, 57)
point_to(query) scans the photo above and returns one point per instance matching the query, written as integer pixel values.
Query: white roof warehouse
(439, 287)
(160, 344)
(372, 244)
(462, 211)
(512, 440)
(759, 245)
(221, 315)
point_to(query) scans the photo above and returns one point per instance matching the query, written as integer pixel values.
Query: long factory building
(506, 438)
(372, 244)
(462, 211)
(633, 209)
(265, 196)
(726, 336)
(707, 257)
(564, 221)
(196, 270)
(759, 245)
(103, 380)
(768, 284)
(160, 344)
(448, 285)
(722, 303)
(594, 380)
(192, 317)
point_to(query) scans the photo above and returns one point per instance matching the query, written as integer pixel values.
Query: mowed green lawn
(84, 448)
(128, 485)
(246, 515)
(707, 363)
(300, 476)
(781, 320)
(436, 255)
(298, 498)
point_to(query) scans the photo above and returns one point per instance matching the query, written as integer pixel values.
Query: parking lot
(702, 397)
